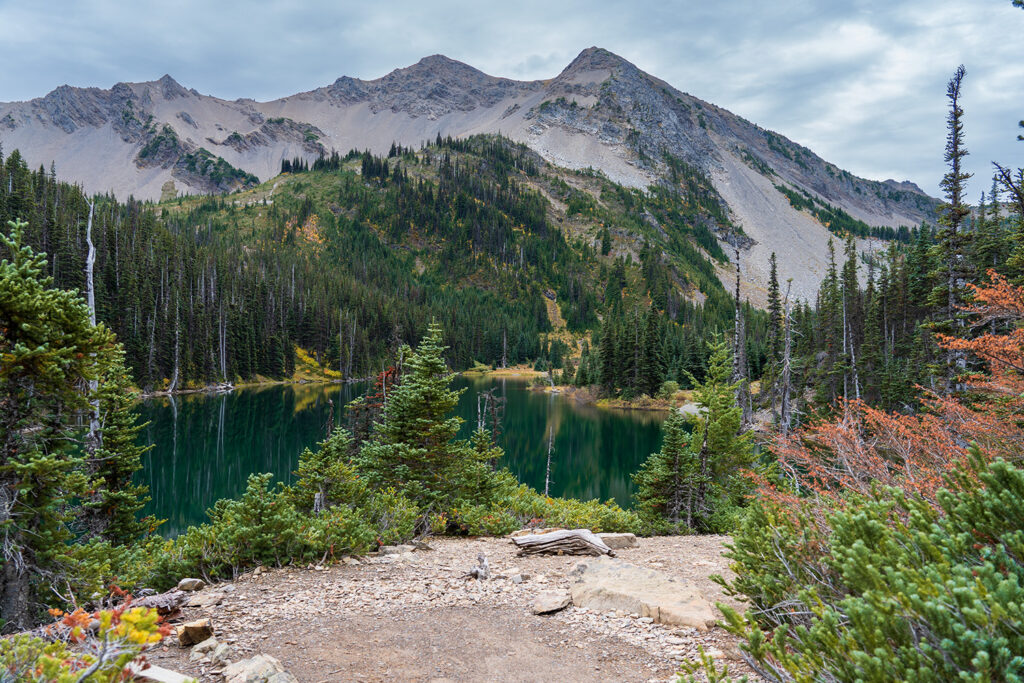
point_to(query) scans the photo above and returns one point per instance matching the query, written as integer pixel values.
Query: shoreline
(586, 396)
(228, 387)
(581, 395)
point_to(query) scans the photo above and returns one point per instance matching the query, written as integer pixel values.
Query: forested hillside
(356, 255)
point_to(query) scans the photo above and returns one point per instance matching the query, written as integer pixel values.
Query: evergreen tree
(110, 512)
(652, 359)
(413, 448)
(954, 270)
(325, 476)
(667, 482)
(699, 484)
(722, 449)
(774, 312)
(50, 352)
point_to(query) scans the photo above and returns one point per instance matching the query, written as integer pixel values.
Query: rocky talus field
(412, 615)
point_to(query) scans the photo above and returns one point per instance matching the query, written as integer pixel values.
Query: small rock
(193, 632)
(619, 541)
(208, 645)
(258, 669)
(191, 584)
(221, 656)
(517, 579)
(206, 599)
(731, 651)
(395, 549)
(349, 561)
(549, 602)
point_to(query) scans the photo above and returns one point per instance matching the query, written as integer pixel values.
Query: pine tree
(953, 267)
(413, 448)
(652, 360)
(49, 350)
(111, 511)
(607, 349)
(666, 483)
(723, 449)
(696, 485)
(774, 312)
(325, 476)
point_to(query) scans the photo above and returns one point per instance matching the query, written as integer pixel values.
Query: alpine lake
(206, 445)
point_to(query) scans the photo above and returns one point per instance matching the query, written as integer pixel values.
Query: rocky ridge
(600, 112)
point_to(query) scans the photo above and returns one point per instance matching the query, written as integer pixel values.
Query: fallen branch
(563, 542)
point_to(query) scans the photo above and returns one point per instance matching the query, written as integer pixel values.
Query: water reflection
(206, 445)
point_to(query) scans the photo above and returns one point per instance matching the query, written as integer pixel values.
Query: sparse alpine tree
(954, 269)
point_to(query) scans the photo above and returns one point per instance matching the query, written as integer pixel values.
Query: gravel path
(412, 618)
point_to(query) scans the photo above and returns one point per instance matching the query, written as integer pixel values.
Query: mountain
(601, 112)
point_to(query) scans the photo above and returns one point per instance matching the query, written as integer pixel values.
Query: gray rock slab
(608, 584)
(619, 541)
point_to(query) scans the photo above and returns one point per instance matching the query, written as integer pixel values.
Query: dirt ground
(413, 617)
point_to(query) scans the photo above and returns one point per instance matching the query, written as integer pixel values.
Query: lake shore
(589, 396)
(225, 387)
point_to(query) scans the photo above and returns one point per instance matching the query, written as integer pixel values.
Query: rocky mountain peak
(439, 69)
(596, 59)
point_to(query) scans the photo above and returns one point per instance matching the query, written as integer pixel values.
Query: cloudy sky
(861, 82)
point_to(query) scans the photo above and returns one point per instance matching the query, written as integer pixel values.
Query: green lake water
(207, 445)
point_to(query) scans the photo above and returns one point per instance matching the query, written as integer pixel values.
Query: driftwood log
(563, 542)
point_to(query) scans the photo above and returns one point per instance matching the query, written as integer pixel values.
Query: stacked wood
(563, 542)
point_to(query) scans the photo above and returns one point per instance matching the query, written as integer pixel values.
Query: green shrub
(263, 527)
(891, 588)
(668, 389)
(485, 520)
(393, 516)
(525, 505)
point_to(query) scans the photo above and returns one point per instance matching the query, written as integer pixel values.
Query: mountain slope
(600, 112)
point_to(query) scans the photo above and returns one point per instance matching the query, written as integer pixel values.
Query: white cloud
(862, 83)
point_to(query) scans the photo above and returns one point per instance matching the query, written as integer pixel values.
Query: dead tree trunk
(547, 470)
(739, 350)
(787, 356)
(93, 438)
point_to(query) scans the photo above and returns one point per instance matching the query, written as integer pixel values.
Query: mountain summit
(600, 112)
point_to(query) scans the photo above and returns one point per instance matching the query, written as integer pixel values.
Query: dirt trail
(412, 618)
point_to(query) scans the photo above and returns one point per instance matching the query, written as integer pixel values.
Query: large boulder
(258, 669)
(608, 584)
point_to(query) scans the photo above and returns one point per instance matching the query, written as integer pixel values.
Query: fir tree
(49, 351)
(652, 360)
(700, 483)
(953, 267)
(111, 511)
(774, 312)
(413, 448)
(666, 483)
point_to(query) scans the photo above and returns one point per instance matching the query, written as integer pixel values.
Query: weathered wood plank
(565, 541)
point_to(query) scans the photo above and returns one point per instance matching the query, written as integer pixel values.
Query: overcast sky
(861, 82)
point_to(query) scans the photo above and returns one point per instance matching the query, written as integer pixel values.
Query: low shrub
(889, 587)
(668, 390)
(72, 651)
